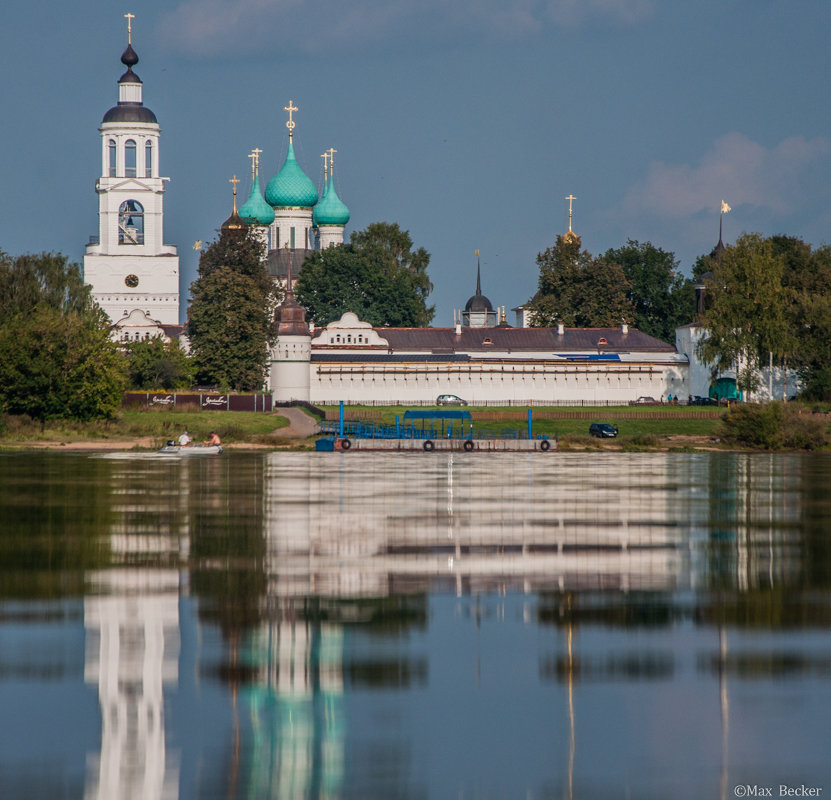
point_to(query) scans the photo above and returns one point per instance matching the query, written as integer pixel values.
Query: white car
(450, 400)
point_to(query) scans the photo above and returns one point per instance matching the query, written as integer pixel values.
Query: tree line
(768, 301)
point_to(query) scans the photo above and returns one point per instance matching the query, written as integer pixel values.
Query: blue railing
(353, 429)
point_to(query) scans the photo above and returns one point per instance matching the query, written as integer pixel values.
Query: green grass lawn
(630, 421)
(236, 426)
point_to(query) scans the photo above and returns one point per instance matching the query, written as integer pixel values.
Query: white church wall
(483, 383)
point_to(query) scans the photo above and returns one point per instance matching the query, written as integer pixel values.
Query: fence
(650, 413)
(207, 401)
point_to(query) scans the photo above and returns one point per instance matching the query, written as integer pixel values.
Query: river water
(353, 625)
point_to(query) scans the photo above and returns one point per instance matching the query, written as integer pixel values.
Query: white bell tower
(130, 269)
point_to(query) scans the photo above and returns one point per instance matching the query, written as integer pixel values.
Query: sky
(467, 123)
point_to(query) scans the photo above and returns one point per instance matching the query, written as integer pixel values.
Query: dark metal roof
(528, 339)
(277, 262)
(130, 112)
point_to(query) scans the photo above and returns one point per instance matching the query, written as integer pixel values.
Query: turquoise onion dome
(331, 210)
(255, 210)
(291, 187)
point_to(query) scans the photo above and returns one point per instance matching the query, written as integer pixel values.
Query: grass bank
(158, 424)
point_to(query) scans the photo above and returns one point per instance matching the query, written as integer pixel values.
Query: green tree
(58, 358)
(397, 245)
(156, 364)
(747, 315)
(230, 320)
(344, 278)
(662, 298)
(578, 290)
(807, 281)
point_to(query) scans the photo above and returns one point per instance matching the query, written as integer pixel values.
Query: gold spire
(325, 156)
(253, 156)
(129, 17)
(570, 235)
(256, 153)
(234, 181)
(331, 151)
(291, 108)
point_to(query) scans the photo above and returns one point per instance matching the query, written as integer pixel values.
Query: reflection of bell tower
(132, 652)
(127, 264)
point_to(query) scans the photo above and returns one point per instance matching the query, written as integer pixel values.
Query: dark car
(450, 400)
(603, 430)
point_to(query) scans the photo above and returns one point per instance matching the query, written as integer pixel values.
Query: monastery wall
(477, 382)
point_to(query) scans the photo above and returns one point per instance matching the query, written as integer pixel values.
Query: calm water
(304, 625)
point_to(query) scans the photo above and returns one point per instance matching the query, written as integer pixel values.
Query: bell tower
(131, 271)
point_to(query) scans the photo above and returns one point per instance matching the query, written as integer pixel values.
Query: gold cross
(129, 17)
(331, 151)
(253, 156)
(291, 108)
(325, 156)
(570, 199)
(235, 181)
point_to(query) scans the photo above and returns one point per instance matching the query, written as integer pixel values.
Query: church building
(134, 275)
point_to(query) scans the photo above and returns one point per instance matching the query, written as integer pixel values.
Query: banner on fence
(209, 401)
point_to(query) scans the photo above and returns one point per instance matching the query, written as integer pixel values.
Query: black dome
(130, 112)
(129, 57)
(478, 303)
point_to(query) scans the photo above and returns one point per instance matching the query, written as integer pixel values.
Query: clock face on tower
(131, 281)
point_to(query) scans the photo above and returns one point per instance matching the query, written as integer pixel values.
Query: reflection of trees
(55, 512)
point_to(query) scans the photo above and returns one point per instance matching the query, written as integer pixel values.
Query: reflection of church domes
(291, 187)
(331, 210)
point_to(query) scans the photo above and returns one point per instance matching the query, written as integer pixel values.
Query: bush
(773, 427)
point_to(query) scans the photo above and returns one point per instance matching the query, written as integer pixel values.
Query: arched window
(148, 159)
(131, 223)
(112, 158)
(130, 158)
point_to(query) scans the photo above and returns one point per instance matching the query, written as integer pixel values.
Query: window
(112, 158)
(130, 158)
(131, 223)
(292, 238)
(148, 159)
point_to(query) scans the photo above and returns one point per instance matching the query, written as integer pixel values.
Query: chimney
(458, 329)
(560, 329)
(624, 328)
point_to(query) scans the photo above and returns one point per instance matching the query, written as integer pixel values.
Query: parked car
(697, 400)
(644, 401)
(450, 400)
(603, 430)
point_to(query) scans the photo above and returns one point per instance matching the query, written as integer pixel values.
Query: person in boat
(184, 439)
(213, 440)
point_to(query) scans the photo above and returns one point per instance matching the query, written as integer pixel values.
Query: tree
(156, 364)
(397, 244)
(58, 358)
(747, 315)
(376, 276)
(230, 320)
(578, 290)
(662, 298)
(807, 282)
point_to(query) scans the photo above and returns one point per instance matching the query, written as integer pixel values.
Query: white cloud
(737, 170)
(291, 26)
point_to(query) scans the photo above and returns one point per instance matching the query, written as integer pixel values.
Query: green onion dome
(291, 187)
(255, 210)
(331, 210)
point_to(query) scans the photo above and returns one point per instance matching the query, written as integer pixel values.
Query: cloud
(737, 169)
(305, 26)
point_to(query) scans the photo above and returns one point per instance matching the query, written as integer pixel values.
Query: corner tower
(127, 264)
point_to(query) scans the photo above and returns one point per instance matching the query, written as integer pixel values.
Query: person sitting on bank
(184, 439)
(213, 439)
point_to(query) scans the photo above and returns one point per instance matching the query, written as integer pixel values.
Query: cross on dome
(291, 108)
(129, 17)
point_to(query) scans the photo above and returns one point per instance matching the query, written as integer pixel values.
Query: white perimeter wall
(478, 382)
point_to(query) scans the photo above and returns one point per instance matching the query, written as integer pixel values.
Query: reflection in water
(363, 605)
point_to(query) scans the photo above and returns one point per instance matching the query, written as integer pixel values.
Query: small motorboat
(174, 449)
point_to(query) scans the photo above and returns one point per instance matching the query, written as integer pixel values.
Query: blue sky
(467, 123)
